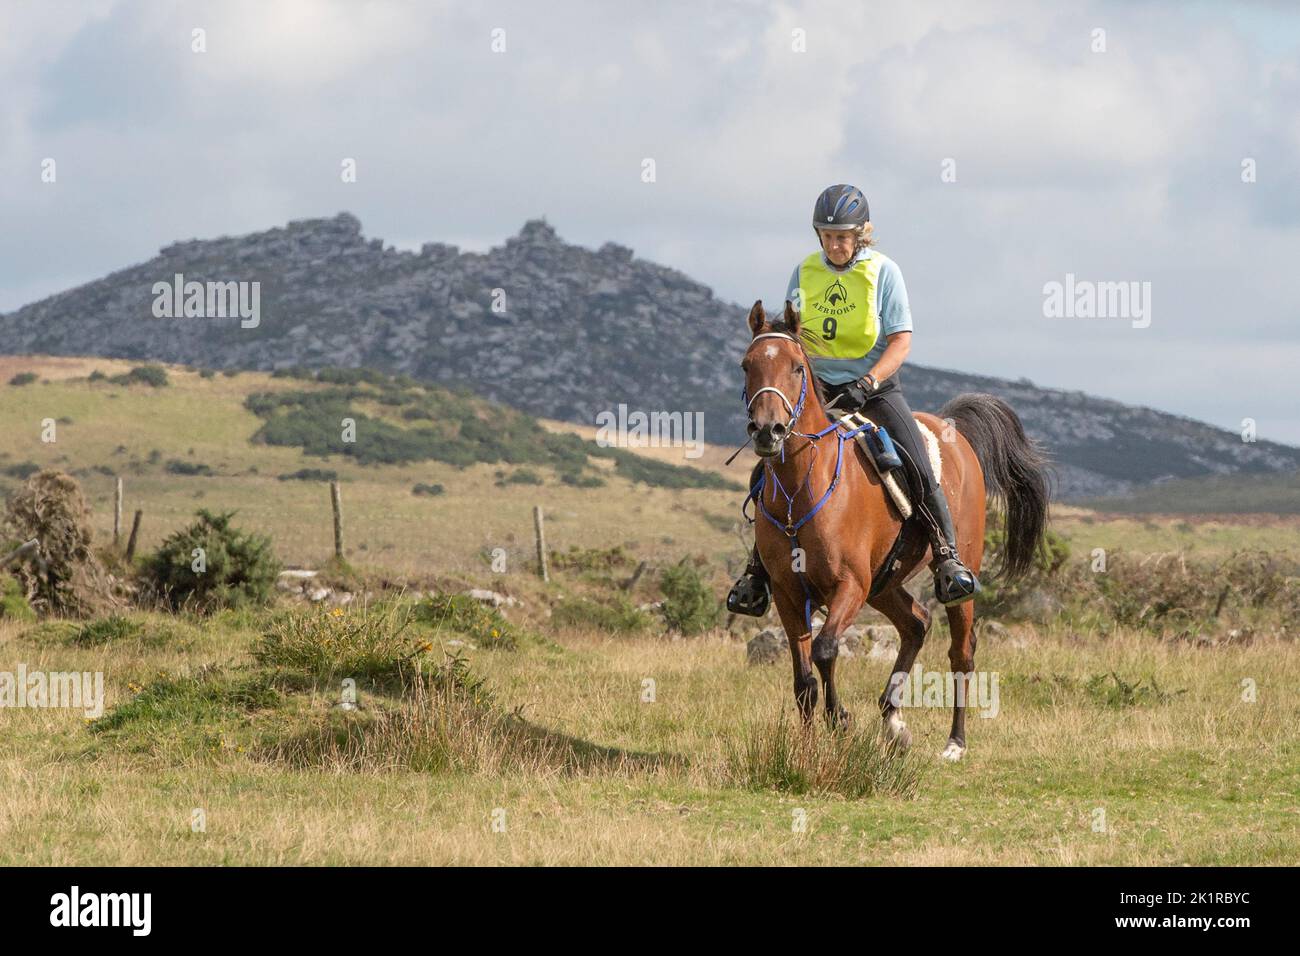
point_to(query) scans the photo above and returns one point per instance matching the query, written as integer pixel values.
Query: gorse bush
(616, 615)
(311, 474)
(690, 605)
(178, 467)
(13, 602)
(211, 565)
(463, 615)
(155, 376)
(998, 596)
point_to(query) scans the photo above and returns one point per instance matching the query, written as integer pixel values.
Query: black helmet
(841, 207)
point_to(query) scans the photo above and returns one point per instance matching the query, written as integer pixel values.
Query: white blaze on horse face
(770, 352)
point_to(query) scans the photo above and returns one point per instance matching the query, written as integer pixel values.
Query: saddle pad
(897, 493)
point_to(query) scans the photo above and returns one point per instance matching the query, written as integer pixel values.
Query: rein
(791, 527)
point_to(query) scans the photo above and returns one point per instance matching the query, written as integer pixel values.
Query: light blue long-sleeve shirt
(891, 305)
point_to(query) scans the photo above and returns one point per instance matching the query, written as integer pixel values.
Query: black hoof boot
(750, 595)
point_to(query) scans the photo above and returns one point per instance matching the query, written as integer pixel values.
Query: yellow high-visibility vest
(838, 309)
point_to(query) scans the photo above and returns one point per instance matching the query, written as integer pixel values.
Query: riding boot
(750, 594)
(954, 583)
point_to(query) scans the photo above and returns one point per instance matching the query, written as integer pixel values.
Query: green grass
(590, 745)
(708, 768)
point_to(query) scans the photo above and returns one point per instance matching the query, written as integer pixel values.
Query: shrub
(579, 480)
(1000, 597)
(23, 378)
(372, 647)
(591, 559)
(462, 614)
(311, 474)
(13, 602)
(107, 629)
(155, 376)
(689, 604)
(618, 615)
(239, 568)
(521, 477)
(64, 576)
(431, 490)
(177, 467)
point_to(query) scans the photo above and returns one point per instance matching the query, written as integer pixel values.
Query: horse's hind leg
(912, 621)
(844, 605)
(961, 654)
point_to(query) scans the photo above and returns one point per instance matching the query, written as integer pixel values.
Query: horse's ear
(791, 318)
(757, 318)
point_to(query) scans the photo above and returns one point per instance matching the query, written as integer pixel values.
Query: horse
(830, 537)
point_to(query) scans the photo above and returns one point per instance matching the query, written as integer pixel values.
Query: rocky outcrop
(554, 329)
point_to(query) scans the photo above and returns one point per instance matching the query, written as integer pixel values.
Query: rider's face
(838, 245)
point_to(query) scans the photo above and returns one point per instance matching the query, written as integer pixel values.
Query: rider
(848, 295)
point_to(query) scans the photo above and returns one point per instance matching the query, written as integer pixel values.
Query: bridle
(790, 526)
(796, 409)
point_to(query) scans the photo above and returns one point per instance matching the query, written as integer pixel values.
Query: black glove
(855, 395)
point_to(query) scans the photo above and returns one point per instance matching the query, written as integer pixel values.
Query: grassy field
(1108, 748)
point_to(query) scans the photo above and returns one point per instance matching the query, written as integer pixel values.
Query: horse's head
(777, 377)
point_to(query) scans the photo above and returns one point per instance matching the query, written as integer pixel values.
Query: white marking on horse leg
(953, 752)
(896, 731)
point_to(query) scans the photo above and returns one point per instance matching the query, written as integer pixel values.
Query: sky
(1003, 147)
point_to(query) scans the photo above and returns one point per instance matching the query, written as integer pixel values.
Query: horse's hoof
(897, 733)
(841, 720)
(953, 752)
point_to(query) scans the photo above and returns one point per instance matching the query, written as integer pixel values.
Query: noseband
(796, 409)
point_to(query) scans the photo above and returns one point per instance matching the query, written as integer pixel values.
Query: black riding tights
(889, 409)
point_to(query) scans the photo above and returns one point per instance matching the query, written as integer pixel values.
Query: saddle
(898, 475)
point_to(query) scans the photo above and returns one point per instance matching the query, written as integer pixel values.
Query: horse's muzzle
(768, 439)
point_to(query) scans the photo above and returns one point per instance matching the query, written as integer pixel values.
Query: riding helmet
(841, 207)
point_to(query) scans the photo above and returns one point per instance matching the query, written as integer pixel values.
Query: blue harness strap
(790, 528)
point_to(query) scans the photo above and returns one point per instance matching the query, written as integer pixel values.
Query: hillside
(194, 443)
(555, 330)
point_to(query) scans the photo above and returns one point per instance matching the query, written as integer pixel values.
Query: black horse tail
(1015, 473)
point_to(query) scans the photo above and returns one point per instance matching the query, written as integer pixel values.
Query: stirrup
(954, 583)
(748, 596)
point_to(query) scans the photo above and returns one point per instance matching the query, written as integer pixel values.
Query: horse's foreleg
(845, 602)
(912, 621)
(961, 655)
(796, 632)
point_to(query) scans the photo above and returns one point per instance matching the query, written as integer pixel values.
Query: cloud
(1115, 165)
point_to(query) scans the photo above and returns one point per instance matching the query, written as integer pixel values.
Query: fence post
(336, 498)
(135, 533)
(541, 543)
(117, 514)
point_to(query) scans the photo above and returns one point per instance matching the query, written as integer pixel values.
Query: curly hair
(864, 239)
